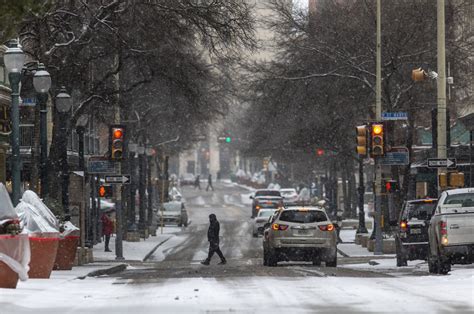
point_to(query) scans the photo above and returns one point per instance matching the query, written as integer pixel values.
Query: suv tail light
(403, 226)
(329, 227)
(278, 227)
(443, 227)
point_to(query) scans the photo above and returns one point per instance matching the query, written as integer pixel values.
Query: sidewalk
(134, 251)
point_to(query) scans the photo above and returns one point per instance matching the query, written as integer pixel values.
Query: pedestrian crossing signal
(105, 191)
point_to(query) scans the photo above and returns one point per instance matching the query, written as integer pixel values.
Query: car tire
(271, 259)
(432, 263)
(332, 262)
(180, 225)
(316, 260)
(265, 258)
(186, 224)
(444, 265)
(401, 257)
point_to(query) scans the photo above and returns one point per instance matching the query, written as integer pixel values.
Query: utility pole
(442, 154)
(118, 187)
(378, 250)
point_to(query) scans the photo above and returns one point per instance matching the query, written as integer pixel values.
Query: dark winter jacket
(213, 232)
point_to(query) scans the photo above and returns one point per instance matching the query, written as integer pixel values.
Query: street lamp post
(149, 153)
(132, 148)
(42, 84)
(141, 189)
(88, 219)
(14, 58)
(63, 106)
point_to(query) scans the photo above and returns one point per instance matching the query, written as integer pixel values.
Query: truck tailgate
(460, 228)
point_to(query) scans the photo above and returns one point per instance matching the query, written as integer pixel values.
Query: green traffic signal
(228, 139)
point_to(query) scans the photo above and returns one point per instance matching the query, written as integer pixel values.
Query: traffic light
(361, 132)
(418, 75)
(105, 191)
(390, 186)
(228, 139)
(377, 145)
(320, 152)
(116, 142)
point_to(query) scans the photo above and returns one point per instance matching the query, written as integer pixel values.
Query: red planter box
(43, 255)
(66, 253)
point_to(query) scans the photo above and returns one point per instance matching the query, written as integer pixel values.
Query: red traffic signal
(116, 142)
(105, 191)
(320, 152)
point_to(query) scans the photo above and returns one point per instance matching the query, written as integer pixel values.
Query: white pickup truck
(451, 231)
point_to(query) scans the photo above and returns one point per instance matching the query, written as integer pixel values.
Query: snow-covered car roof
(303, 208)
(459, 191)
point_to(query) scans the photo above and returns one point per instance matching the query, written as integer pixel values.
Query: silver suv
(300, 234)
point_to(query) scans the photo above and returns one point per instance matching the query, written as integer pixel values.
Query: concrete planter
(387, 248)
(66, 254)
(8, 278)
(43, 255)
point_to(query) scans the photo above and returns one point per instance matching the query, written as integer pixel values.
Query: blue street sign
(395, 159)
(394, 115)
(101, 166)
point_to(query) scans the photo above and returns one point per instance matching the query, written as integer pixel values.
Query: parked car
(173, 213)
(300, 234)
(187, 179)
(266, 199)
(411, 238)
(290, 196)
(451, 231)
(259, 221)
(175, 195)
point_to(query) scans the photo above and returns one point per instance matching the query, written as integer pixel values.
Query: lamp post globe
(14, 58)
(63, 101)
(42, 80)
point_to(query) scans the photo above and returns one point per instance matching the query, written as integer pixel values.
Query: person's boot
(205, 262)
(223, 262)
(108, 250)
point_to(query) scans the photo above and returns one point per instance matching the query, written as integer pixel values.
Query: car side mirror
(251, 197)
(266, 225)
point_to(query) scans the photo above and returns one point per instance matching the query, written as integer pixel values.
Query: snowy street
(172, 280)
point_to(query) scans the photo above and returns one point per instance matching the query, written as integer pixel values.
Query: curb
(107, 271)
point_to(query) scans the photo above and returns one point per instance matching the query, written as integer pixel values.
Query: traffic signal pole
(441, 149)
(378, 249)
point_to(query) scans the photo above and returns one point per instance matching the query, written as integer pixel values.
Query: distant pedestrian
(107, 229)
(197, 183)
(213, 238)
(209, 183)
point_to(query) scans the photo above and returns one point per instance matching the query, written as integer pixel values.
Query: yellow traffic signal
(116, 141)
(377, 140)
(361, 132)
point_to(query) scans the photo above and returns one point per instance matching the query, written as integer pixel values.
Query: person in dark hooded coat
(213, 238)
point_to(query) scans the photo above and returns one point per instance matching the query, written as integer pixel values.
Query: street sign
(395, 159)
(99, 164)
(394, 116)
(118, 179)
(441, 163)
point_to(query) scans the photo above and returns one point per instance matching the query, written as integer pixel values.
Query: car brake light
(443, 225)
(278, 227)
(403, 226)
(329, 227)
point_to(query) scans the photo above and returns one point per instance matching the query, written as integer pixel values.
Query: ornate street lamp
(63, 106)
(149, 152)
(14, 59)
(42, 84)
(141, 189)
(132, 149)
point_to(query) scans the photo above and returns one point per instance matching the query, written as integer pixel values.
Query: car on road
(451, 231)
(411, 237)
(300, 234)
(262, 218)
(173, 212)
(187, 179)
(266, 198)
(290, 196)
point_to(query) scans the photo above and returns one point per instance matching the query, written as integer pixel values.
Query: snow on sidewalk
(134, 251)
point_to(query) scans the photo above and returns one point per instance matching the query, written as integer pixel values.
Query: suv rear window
(419, 210)
(267, 193)
(300, 216)
(464, 199)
